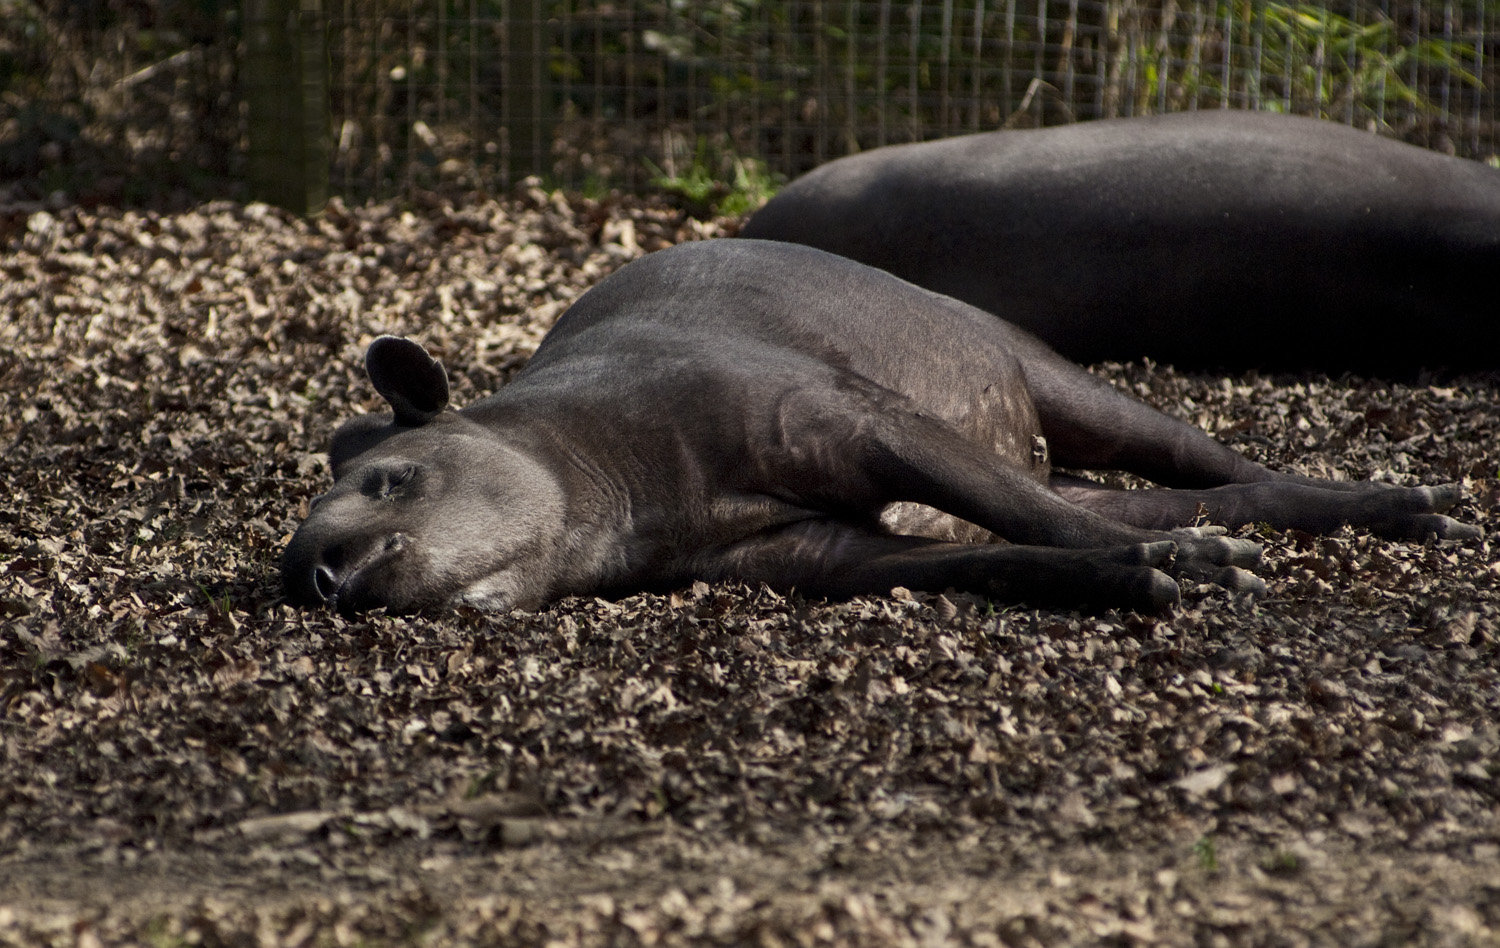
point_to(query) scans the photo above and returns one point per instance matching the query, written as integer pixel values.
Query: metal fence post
(286, 90)
(527, 91)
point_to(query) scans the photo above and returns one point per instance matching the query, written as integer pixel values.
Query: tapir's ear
(407, 377)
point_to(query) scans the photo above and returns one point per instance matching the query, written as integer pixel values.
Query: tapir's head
(428, 507)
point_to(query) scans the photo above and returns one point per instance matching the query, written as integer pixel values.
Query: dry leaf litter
(184, 760)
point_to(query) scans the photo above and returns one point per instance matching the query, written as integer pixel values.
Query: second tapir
(764, 412)
(1205, 239)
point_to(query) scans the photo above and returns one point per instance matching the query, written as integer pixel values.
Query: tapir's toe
(1207, 530)
(1440, 497)
(1243, 553)
(1162, 593)
(1430, 526)
(1159, 553)
(1200, 557)
(1238, 580)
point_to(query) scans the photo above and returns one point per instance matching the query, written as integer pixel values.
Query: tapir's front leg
(870, 456)
(838, 560)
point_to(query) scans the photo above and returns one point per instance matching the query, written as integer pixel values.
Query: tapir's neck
(580, 514)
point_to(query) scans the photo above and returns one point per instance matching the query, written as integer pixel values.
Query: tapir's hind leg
(1091, 425)
(1397, 513)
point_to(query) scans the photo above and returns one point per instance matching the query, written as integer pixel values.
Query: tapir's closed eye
(389, 483)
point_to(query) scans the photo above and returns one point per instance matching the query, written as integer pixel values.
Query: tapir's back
(746, 322)
(738, 303)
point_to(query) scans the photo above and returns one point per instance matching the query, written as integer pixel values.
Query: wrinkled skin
(764, 412)
(1203, 239)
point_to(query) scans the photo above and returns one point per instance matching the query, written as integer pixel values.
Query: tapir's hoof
(1225, 561)
(1245, 553)
(1449, 529)
(1416, 513)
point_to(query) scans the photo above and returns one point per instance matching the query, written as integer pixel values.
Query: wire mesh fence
(114, 103)
(605, 93)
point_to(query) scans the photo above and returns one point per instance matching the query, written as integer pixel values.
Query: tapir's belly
(976, 386)
(998, 414)
(919, 520)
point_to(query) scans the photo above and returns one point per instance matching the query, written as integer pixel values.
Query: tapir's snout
(341, 574)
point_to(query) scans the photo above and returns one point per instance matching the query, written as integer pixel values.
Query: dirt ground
(185, 760)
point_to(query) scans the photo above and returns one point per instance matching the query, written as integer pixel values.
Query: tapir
(1206, 240)
(764, 412)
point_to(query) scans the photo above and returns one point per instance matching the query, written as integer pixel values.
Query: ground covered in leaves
(186, 760)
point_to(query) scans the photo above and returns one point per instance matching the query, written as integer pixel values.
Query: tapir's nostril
(326, 583)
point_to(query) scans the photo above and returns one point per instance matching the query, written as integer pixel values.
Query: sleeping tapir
(1201, 239)
(766, 412)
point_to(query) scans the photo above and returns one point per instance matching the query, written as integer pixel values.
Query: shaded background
(130, 101)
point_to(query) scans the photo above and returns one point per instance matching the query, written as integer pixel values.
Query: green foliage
(1282, 862)
(1207, 854)
(722, 185)
(158, 932)
(1335, 61)
(490, 781)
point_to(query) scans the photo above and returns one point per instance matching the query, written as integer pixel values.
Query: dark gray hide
(757, 411)
(1206, 239)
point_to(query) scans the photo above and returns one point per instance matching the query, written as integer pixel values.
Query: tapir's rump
(764, 412)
